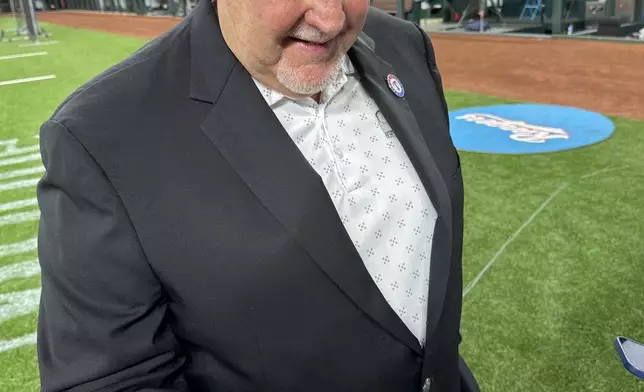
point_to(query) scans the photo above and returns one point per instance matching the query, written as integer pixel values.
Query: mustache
(309, 33)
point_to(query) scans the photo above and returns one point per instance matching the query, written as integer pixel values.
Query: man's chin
(304, 89)
(309, 79)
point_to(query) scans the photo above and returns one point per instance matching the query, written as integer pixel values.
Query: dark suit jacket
(186, 244)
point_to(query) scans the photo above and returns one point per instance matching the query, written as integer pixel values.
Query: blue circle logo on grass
(526, 128)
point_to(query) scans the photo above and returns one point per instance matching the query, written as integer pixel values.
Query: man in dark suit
(252, 202)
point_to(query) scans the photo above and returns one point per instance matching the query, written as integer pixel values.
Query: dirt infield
(606, 77)
(139, 26)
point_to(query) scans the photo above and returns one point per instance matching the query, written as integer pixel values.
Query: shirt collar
(273, 98)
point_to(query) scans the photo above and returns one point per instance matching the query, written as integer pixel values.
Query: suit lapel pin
(395, 85)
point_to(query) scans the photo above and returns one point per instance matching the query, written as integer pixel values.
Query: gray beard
(289, 78)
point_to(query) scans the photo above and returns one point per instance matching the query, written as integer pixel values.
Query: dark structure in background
(616, 18)
(26, 23)
(141, 7)
(31, 23)
(613, 18)
(626, 10)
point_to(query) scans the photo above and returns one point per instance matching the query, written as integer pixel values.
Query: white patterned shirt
(373, 185)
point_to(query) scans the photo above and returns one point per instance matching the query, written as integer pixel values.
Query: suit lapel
(249, 136)
(374, 72)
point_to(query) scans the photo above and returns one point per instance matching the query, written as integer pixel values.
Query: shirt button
(338, 153)
(427, 385)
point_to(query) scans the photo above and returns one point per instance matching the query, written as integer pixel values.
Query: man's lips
(312, 46)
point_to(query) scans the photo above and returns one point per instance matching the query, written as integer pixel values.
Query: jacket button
(427, 385)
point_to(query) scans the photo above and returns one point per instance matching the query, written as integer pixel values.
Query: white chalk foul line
(525, 224)
(27, 80)
(11, 148)
(17, 248)
(543, 205)
(23, 269)
(39, 43)
(21, 159)
(18, 303)
(16, 205)
(22, 172)
(20, 38)
(22, 55)
(606, 170)
(6, 345)
(18, 184)
(19, 217)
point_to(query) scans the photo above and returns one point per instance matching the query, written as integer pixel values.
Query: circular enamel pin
(395, 85)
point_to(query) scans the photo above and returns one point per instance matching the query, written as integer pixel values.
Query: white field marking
(21, 38)
(525, 224)
(639, 312)
(19, 217)
(18, 151)
(606, 170)
(22, 55)
(21, 172)
(18, 303)
(17, 248)
(16, 205)
(543, 205)
(23, 269)
(6, 345)
(27, 80)
(18, 184)
(39, 43)
(11, 148)
(22, 159)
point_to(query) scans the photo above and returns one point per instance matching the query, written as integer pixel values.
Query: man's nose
(327, 16)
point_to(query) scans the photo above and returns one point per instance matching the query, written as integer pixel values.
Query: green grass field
(544, 316)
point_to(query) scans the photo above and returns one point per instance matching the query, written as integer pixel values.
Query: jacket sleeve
(102, 324)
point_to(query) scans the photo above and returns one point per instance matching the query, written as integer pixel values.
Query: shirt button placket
(337, 152)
